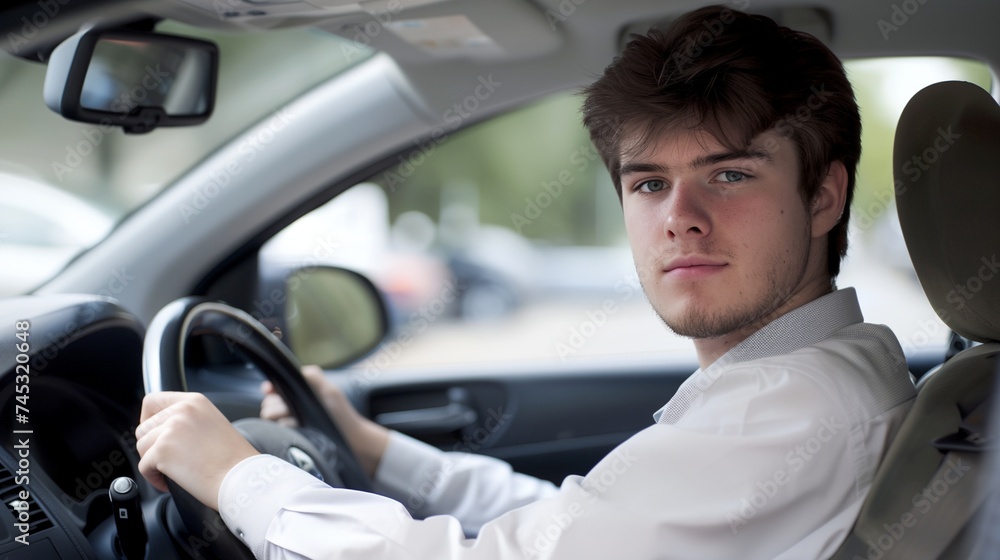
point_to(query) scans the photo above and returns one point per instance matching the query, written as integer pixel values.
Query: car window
(504, 242)
(97, 174)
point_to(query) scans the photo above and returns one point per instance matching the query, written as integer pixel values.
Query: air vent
(10, 493)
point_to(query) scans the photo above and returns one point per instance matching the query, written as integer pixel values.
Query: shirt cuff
(403, 466)
(253, 492)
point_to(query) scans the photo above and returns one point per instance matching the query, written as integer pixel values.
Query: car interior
(340, 183)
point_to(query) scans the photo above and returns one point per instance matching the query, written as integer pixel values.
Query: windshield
(64, 185)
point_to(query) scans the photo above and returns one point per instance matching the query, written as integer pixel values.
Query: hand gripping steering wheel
(317, 446)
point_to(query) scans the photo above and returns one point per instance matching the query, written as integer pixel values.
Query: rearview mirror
(132, 79)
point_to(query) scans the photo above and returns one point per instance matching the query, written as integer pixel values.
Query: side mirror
(133, 79)
(332, 316)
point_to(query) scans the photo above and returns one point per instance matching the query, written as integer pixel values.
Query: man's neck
(711, 349)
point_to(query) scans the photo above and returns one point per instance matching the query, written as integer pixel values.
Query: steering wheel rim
(163, 370)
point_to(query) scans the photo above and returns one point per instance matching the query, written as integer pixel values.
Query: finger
(273, 407)
(155, 402)
(148, 438)
(267, 387)
(314, 375)
(152, 422)
(147, 468)
(318, 382)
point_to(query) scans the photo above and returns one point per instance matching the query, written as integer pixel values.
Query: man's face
(722, 240)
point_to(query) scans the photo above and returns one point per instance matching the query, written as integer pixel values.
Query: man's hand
(367, 439)
(184, 437)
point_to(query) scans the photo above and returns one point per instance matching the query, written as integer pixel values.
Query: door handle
(438, 420)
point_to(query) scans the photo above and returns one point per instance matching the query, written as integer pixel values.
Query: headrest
(946, 161)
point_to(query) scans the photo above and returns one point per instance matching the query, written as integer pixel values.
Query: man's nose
(685, 212)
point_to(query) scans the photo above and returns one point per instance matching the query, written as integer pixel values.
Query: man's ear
(828, 203)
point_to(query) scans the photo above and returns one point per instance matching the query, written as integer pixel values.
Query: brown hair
(736, 76)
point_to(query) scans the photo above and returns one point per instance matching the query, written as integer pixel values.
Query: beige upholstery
(949, 208)
(947, 167)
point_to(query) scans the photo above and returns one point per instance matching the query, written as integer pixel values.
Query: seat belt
(948, 502)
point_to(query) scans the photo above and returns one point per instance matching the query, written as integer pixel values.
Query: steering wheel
(317, 446)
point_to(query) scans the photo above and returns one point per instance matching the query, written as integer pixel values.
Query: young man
(733, 145)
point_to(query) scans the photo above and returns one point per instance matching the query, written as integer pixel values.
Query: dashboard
(70, 395)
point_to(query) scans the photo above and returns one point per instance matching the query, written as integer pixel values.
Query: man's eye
(653, 185)
(731, 176)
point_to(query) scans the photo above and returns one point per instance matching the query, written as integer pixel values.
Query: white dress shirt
(766, 453)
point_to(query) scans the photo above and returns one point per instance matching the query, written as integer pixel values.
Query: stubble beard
(702, 323)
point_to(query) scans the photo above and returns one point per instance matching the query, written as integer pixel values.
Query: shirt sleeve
(777, 468)
(472, 488)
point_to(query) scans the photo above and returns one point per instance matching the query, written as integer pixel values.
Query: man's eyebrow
(701, 161)
(712, 159)
(642, 167)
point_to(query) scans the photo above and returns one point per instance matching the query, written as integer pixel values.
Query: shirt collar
(803, 326)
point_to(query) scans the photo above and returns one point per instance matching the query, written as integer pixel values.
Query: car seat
(946, 163)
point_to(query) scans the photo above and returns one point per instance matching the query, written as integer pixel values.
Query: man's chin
(693, 331)
(698, 324)
(683, 323)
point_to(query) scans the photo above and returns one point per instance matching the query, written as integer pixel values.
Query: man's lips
(693, 266)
